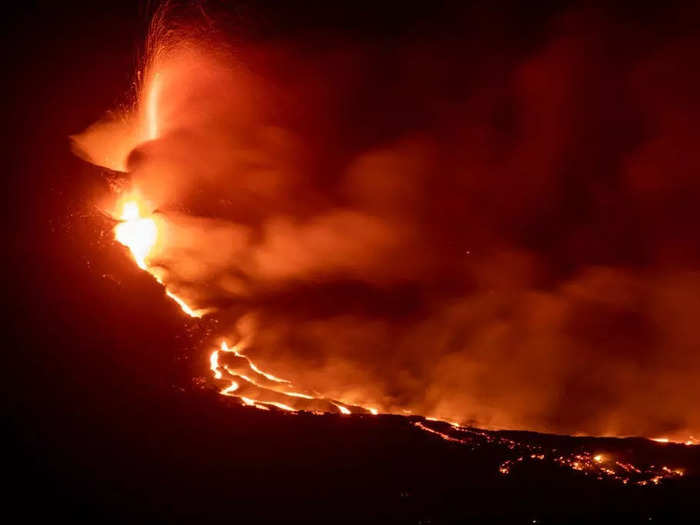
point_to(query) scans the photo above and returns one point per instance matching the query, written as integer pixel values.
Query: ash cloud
(470, 219)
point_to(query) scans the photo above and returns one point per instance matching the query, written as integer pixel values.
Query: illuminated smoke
(469, 232)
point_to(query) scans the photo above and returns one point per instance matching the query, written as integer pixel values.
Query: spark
(297, 394)
(691, 441)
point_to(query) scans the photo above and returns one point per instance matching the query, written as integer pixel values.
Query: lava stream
(140, 234)
(256, 387)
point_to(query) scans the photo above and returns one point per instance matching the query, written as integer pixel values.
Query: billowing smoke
(488, 223)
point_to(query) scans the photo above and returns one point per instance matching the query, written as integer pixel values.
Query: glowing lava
(137, 233)
(140, 234)
(600, 466)
(255, 387)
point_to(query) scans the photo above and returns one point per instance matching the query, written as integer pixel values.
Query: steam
(499, 236)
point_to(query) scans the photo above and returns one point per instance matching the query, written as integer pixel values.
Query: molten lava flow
(140, 234)
(343, 410)
(137, 233)
(259, 389)
(255, 387)
(442, 435)
(600, 466)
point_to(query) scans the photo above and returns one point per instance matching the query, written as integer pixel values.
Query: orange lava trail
(600, 466)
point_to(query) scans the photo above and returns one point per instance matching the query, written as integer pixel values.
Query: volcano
(110, 430)
(362, 313)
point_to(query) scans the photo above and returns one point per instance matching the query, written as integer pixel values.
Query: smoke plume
(477, 221)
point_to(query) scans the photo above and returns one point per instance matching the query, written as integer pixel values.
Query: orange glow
(182, 304)
(225, 348)
(152, 99)
(278, 405)
(598, 465)
(139, 233)
(297, 394)
(691, 441)
(442, 435)
(214, 364)
(136, 230)
(229, 389)
(342, 409)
